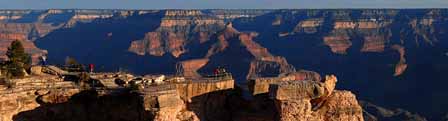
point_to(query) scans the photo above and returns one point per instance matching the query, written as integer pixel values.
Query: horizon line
(391, 8)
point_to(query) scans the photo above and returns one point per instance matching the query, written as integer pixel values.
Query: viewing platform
(189, 88)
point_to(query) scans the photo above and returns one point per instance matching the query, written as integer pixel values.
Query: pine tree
(18, 59)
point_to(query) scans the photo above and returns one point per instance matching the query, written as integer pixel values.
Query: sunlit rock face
(338, 44)
(32, 93)
(373, 44)
(260, 85)
(178, 30)
(190, 68)
(48, 97)
(314, 101)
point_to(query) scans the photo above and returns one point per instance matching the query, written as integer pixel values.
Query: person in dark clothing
(43, 60)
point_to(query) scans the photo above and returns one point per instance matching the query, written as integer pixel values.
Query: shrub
(18, 60)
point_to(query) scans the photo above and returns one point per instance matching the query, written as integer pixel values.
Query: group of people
(219, 71)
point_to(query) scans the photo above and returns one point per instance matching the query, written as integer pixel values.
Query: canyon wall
(380, 54)
(29, 25)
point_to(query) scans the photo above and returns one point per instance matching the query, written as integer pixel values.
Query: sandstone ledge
(314, 101)
(261, 85)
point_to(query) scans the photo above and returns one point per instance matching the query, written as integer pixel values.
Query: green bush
(72, 65)
(15, 70)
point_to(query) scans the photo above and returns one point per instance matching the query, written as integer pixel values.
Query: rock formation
(229, 39)
(261, 85)
(47, 97)
(32, 93)
(314, 101)
(373, 44)
(401, 66)
(178, 29)
(309, 26)
(190, 68)
(338, 44)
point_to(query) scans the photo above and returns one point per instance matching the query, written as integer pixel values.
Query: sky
(218, 4)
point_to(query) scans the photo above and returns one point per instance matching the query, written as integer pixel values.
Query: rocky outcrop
(309, 26)
(262, 63)
(261, 85)
(31, 93)
(49, 98)
(360, 24)
(13, 36)
(314, 101)
(338, 44)
(373, 44)
(223, 40)
(58, 99)
(401, 66)
(269, 67)
(190, 68)
(171, 108)
(139, 47)
(179, 102)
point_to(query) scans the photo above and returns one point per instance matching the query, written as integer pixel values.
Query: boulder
(36, 70)
(159, 79)
(314, 101)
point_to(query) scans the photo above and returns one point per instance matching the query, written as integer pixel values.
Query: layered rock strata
(261, 85)
(169, 102)
(178, 29)
(31, 93)
(314, 101)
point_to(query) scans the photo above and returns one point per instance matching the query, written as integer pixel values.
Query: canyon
(390, 57)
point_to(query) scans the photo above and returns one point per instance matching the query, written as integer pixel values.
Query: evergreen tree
(18, 59)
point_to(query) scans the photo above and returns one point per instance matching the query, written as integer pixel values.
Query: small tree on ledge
(18, 60)
(73, 65)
